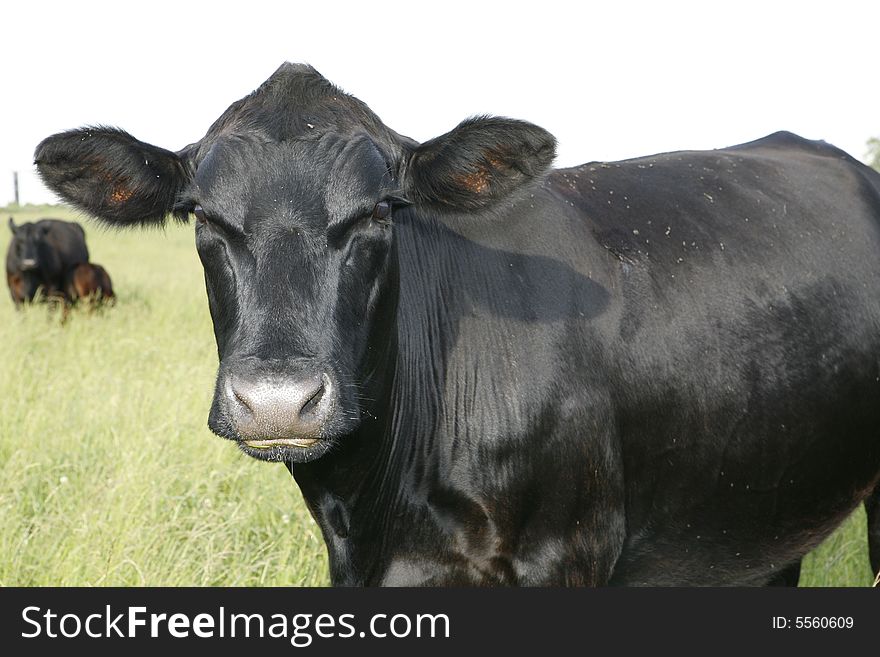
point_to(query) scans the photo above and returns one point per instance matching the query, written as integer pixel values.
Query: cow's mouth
(288, 450)
(280, 442)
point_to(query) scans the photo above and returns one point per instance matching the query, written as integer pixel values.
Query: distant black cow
(39, 256)
(88, 281)
(480, 371)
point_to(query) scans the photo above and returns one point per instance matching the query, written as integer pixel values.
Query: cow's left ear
(109, 174)
(480, 162)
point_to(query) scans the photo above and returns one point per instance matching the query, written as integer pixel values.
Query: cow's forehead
(297, 147)
(25, 231)
(316, 181)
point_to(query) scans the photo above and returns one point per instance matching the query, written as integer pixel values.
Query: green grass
(842, 560)
(108, 474)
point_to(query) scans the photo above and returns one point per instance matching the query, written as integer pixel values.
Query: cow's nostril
(314, 400)
(240, 398)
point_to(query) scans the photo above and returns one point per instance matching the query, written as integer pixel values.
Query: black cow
(481, 371)
(39, 257)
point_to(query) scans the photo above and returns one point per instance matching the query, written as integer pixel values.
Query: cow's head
(25, 245)
(23, 260)
(294, 191)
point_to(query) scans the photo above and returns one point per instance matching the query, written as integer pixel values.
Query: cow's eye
(200, 214)
(382, 210)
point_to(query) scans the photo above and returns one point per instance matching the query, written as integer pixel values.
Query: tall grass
(108, 474)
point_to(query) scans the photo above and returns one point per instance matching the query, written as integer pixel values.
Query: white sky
(611, 79)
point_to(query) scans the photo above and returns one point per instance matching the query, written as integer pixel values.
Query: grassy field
(108, 474)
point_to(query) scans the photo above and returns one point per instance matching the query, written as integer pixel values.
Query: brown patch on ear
(119, 190)
(495, 159)
(479, 181)
(120, 193)
(476, 182)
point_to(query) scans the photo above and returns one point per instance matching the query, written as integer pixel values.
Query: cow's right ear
(109, 174)
(12, 225)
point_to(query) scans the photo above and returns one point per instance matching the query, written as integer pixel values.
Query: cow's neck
(381, 474)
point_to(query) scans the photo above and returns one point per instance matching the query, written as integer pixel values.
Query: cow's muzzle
(276, 411)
